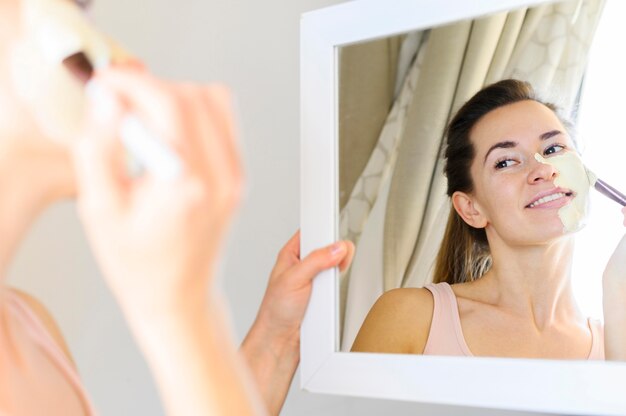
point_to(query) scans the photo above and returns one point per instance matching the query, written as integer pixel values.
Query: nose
(541, 171)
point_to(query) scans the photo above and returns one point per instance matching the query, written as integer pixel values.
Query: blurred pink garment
(446, 335)
(36, 376)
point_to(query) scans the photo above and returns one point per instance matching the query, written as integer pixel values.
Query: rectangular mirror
(361, 65)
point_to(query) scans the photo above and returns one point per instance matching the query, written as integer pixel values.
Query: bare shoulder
(46, 318)
(399, 322)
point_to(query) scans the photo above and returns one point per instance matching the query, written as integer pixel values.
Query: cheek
(52, 31)
(499, 193)
(48, 91)
(16, 119)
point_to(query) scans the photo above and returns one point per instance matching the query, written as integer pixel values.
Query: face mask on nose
(53, 30)
(574, 176)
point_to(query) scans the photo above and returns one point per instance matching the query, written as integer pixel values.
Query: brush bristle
(591, 176)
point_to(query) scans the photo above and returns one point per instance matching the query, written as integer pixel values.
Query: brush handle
(151, 153)
(610, 192)
(148, 153)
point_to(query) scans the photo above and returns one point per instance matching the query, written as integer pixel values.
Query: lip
(557, 203)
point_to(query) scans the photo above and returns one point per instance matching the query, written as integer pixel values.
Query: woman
(156, 240)
(502, 282)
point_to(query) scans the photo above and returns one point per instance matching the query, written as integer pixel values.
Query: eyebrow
(507, 144)
(83, 4)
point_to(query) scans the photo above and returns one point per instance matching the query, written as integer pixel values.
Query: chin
(558, 232)
(576, 227)
(544, 233)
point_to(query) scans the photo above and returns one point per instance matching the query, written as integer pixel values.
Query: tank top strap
(446, 335)
(597, 340)
(40, 334)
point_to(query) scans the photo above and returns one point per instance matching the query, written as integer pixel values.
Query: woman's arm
(399, 322)
(272, 346)
(614, 302)
(194, 360)
(158, 240)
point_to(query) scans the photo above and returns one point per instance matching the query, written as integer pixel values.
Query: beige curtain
(546, 45)
(364, 101)
(367, 92)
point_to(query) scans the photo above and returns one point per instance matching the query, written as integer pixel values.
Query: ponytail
(464, 253)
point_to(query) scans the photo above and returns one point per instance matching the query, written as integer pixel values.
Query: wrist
(167, 304)
(272, 361)
(160, 316)
(264, 337)
(267, 356)
(194, 362)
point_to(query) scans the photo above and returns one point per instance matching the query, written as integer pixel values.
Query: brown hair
(464, 254)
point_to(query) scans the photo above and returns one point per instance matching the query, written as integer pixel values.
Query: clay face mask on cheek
(52, 30)
(572, 175)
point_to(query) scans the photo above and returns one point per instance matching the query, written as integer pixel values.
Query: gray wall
(253, 47)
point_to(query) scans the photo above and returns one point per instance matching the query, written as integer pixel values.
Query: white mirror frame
(572, 387)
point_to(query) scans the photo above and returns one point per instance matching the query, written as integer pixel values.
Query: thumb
(98, 154)
(347, 259)
(320, 260)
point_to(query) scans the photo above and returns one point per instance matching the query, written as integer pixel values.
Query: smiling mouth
(549, 198)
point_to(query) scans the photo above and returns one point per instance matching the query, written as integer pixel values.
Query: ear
(469, 210)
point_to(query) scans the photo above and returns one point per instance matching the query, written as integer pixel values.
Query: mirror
(369, 49)
(395, 97)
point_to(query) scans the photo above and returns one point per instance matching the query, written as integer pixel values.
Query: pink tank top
(446, 336)
(36, 377)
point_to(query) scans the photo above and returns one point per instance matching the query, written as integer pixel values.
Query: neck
(28, 185)
(534, 281)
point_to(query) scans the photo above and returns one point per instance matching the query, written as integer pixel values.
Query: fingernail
(102, 103)
(337, 249)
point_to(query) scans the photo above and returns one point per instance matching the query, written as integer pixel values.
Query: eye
(504, 163)
(555, 148)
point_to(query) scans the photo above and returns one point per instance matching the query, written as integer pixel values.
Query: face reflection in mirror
(396, 97)
(518, 199)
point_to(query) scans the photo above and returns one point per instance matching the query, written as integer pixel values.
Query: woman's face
(38, 94)
(520, 193)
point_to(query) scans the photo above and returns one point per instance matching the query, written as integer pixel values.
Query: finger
(197, 129)
(98, 154)
(220, 101)
(288, 255)
(347, 260)
(624, 212)
(318, 261)
(154, 101)
(211, 138)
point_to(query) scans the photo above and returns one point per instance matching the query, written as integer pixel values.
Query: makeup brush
(610, 192)
(605, 189)
(147, 150)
